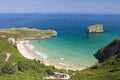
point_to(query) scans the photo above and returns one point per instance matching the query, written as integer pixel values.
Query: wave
(43, 55)
(31, 47)
(61, 58)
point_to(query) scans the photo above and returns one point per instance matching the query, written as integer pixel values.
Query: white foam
(63, 64)
(43, 55)
(61, 58)
(31, 47)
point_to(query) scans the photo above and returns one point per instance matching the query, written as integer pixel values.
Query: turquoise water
(72, 45)
(79, 51)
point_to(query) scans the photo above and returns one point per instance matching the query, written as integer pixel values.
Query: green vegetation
(26, 32)
(5, 46)
(49, 72)
(108, 70)
(19, 68)
(9, 69)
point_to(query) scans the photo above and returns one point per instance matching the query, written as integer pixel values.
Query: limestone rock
(11, 40)
(97, 28)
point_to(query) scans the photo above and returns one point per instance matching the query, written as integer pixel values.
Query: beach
(29, 55)
(22, 50)
(72, 45)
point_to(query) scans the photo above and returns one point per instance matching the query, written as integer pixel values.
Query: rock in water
(110, 50)
(97, 28)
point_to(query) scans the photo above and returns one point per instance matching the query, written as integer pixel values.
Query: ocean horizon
(73, 45)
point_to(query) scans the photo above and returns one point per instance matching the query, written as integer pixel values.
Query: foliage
(9, 69)
(26, 32)
(29, 64)
(24, 69)
(109, 70)
(5, 46)
(33, 70)
(49, 72)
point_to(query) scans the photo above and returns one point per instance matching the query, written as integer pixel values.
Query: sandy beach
(29, 55)
(22, 50)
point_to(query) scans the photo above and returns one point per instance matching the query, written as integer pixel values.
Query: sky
(60, 6)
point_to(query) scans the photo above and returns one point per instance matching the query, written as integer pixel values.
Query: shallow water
(72, 45)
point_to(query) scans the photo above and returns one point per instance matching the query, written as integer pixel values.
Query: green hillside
(109, 69)
(19, 68)
(27, 32)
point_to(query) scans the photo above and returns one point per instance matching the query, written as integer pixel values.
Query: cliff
(110, 50)
(97, 28)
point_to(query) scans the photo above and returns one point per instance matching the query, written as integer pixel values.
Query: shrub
(49, 72)
(9, 69)
(27, 65)
(22, 66)
(94, 67)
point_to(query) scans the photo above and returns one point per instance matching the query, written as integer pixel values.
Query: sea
(73, 45)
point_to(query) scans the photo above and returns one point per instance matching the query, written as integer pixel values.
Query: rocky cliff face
(97, 28)
(110, 50)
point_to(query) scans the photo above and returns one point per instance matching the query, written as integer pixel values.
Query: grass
(5, 46)
(33, 70)
(18, 67)
(108, 70)
(26, 32)
(30, 69)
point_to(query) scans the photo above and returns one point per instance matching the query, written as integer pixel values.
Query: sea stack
(97, 28)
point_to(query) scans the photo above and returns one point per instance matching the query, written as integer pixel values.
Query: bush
(29, 65)
(49, 72)
(94, 67)
(9, 69)
(23, 66)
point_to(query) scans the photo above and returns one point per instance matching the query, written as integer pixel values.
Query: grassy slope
(31, 70)
(109, 70)
(7, 47)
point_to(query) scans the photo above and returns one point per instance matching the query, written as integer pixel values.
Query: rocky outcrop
(97, 28)
(54, 33)
(110, 50)
(11, 40)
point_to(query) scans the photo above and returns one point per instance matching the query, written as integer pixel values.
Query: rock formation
(110, 50)
(11, 40)
(97, 28)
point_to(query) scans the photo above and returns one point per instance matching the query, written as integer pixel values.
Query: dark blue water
(73, 45)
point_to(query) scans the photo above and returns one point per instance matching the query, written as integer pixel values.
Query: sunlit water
(72, 45)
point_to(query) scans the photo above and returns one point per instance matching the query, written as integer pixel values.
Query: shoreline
(29, 55)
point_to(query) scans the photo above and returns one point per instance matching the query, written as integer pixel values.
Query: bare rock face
(110, 50)
(97, 28)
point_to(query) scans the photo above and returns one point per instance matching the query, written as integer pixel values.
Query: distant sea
(73, 45)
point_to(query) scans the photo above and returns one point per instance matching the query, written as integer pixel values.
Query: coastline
(29, 55)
